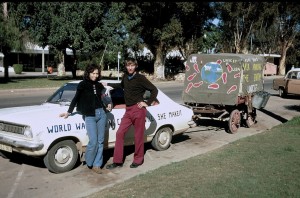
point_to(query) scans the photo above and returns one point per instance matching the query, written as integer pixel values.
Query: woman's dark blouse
(85, 99)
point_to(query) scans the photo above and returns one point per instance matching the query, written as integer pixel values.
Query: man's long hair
(130, 61)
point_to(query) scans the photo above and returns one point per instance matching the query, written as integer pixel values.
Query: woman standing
(89, 103)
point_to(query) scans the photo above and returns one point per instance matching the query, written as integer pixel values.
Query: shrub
(18, 68)
(82, 64)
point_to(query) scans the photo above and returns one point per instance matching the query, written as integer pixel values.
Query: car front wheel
(282, 93)
(162, 139)
(62, 157)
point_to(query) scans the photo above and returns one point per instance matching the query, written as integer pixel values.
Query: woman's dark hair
(90, 69)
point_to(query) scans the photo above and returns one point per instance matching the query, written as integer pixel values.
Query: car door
(294, 83)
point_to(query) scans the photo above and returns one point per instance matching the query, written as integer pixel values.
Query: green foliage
(293, 54)
(91, 27)
(83, 64)
(18, 68)
(10, 36)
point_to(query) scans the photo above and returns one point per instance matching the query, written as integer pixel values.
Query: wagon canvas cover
(221, 78)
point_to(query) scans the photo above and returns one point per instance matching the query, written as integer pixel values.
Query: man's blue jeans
(95, 126)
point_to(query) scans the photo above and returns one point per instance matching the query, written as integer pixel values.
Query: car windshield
(63, 94)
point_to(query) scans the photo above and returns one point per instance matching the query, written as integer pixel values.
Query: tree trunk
(61, 66)
(5, 65)
(159, 68)
(282, 67)
(74, 64)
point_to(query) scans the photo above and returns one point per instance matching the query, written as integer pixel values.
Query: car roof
(110, 81)
(105, 80)
(295, 69)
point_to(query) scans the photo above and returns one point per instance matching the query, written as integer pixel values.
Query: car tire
(62, 157)
(162, 139)
(282, 93)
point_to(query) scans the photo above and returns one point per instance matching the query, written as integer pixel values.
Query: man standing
(134, 85)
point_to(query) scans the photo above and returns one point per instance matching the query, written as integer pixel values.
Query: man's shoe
(114, 165)
(134, 165)
(97, 169)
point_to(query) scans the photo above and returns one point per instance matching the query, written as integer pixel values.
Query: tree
(10, 36)
(240, 21)
(289, 27)
(65, 25)
(169, 25)
(76, 26)
(88, 27)
(121, 29)
(293, 54)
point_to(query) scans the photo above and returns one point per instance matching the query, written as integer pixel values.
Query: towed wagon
(226, 87)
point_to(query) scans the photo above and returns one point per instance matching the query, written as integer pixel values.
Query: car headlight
(28, 132)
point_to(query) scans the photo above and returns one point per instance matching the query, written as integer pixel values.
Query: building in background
(35, 58)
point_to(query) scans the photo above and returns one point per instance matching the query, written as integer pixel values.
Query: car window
(117, 96)
(147, 96)
(293, 75)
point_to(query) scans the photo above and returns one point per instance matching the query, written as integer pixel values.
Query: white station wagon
(39, 131)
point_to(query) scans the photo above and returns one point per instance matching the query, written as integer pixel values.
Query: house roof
(36, 49)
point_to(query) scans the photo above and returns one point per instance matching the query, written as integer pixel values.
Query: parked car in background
(289, 84)
(39, 131)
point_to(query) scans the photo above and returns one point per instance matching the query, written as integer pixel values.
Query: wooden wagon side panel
(221, 78)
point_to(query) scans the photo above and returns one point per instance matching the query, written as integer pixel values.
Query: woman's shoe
(97, 169)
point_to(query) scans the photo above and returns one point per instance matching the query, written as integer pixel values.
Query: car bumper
(21, 144)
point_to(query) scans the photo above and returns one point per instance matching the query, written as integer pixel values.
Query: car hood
(29, 115)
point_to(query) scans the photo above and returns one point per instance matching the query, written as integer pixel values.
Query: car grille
(12, 127)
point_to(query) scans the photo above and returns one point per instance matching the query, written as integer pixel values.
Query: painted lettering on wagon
(65, 127)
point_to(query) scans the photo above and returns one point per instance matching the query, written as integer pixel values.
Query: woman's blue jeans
(95, 126)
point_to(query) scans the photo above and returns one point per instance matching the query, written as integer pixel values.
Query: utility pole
(119, 56)
(5, 16)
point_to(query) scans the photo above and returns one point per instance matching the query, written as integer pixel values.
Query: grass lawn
(263, 165)
(37, 82)
(34, 82)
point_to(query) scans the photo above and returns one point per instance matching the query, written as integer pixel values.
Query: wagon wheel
(234, 121)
